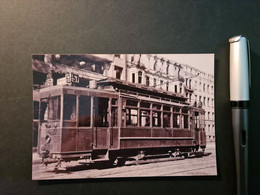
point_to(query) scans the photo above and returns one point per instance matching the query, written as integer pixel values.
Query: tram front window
(69, 107)
(50, 108)
(84, 111)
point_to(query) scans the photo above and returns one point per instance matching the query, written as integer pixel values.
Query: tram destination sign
(72, 78)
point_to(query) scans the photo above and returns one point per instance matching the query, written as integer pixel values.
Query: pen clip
(249, 63)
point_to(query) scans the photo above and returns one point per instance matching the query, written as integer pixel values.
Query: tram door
(101, 123)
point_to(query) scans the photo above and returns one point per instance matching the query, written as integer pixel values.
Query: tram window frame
(45, 111)
(176, 117)
(132, 112)
(114, 101)
(70, 107)
(114, 112)
(102, 108)
(130, 117)
(156, 115)
(114, 116)
(202, 121)
(185, 118)
(156, 118)
(167, 116)
(196, 122)
(84, 111)
(145, 114)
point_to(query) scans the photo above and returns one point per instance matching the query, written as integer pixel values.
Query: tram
(114, 121)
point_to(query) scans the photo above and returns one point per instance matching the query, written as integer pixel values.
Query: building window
(140, 77)
(167, 68)
(167, 86)
(133, 77)
(118, 71)
(155, 63)
(147, 81)
(208, 115)
(203, 87)
(175, 88)
(154, 82)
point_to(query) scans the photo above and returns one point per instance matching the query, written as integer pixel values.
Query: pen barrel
(240, 130)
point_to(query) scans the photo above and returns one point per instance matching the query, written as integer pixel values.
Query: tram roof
(124, 86)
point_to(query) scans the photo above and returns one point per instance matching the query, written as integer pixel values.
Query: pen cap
(239, 69)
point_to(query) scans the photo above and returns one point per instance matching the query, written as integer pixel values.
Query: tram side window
(196, 120)
(114, 116)
(176, 117)
(69, 107)
(100, 112)
(114, 112)
(131, 113)
(144, 114)
(166, 116)
(144, 118)
(131, 117)
(84, 111)
(156, 119)
(202, 121)
(185, 118)
(156, 115)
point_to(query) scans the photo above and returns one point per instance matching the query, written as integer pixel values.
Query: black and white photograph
(123, 115)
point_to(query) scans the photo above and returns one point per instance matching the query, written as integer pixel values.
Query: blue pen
(240, 81)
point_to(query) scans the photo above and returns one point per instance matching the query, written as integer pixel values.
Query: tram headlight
(48, 139)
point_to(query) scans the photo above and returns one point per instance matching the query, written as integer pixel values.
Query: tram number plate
(72, 78)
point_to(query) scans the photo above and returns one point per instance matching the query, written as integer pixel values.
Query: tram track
(150, 167)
